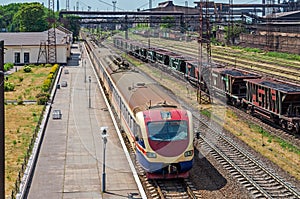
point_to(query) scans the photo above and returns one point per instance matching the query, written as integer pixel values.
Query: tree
(71, 23)
(30, 17)
(7, 13)
(167, 22)
(232, 34)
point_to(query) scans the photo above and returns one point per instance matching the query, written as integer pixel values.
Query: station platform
(70, 163)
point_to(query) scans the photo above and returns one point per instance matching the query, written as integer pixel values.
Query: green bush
(46, 85)
(8, 86)
(48, 65)
(31, 65)
(54, 68)
(42, 98)
(50, 76)
(8, 66)
(27, 69)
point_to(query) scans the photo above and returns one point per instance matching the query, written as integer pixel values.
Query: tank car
(159, 130)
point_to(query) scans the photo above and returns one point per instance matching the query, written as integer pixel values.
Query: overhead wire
(110, 5)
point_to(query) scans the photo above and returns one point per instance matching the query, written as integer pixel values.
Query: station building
(31, 47)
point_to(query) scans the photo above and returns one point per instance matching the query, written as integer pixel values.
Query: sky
(107, 5)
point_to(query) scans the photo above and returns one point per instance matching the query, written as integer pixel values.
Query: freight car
(234, 85)
(274, 100)
(166, 34)
(229, 84)
(159, 130)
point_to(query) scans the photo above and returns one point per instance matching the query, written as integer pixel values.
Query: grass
(279, 151)
(17, 138)
(19, 128)
(28, 85)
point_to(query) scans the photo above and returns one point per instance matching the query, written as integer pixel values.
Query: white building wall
(9, 56)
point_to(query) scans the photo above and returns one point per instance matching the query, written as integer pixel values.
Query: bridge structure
(127, 18)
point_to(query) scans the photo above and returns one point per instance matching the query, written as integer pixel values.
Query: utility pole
(2, 124)
(230, 35)
(200, 41)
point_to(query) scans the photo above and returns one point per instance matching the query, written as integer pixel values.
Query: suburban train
(158, 128)
(266, 98)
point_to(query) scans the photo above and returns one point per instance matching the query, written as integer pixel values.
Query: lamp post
(89, 91)
(104, 138)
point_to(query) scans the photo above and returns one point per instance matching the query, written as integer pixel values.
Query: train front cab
(165, 148)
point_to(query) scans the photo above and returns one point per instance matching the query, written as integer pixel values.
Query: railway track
(274, 130)
(288, 71)
(161, 189)
(257, 58)
(257, 178)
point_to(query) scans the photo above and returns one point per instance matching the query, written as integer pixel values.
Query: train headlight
(151, 155)
(188, 153)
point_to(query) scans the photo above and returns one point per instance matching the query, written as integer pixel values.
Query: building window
(17, 58)
(26, 58)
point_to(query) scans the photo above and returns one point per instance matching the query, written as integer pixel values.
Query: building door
(17, 58)
(26, 58)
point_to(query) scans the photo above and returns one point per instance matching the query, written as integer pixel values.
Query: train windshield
(168, 130)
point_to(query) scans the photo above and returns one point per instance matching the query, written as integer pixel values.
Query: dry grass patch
(20, 122)
(278, 151)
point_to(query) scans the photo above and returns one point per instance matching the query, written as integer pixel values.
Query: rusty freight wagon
(229, 84)
(276, 101)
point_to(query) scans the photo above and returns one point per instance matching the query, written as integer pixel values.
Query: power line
(110, 5)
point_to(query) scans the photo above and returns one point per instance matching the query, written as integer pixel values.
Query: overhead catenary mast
(114, 5)
(52, 55)
(67, 5)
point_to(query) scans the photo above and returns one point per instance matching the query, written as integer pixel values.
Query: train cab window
(138, 135)
(167, 131)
